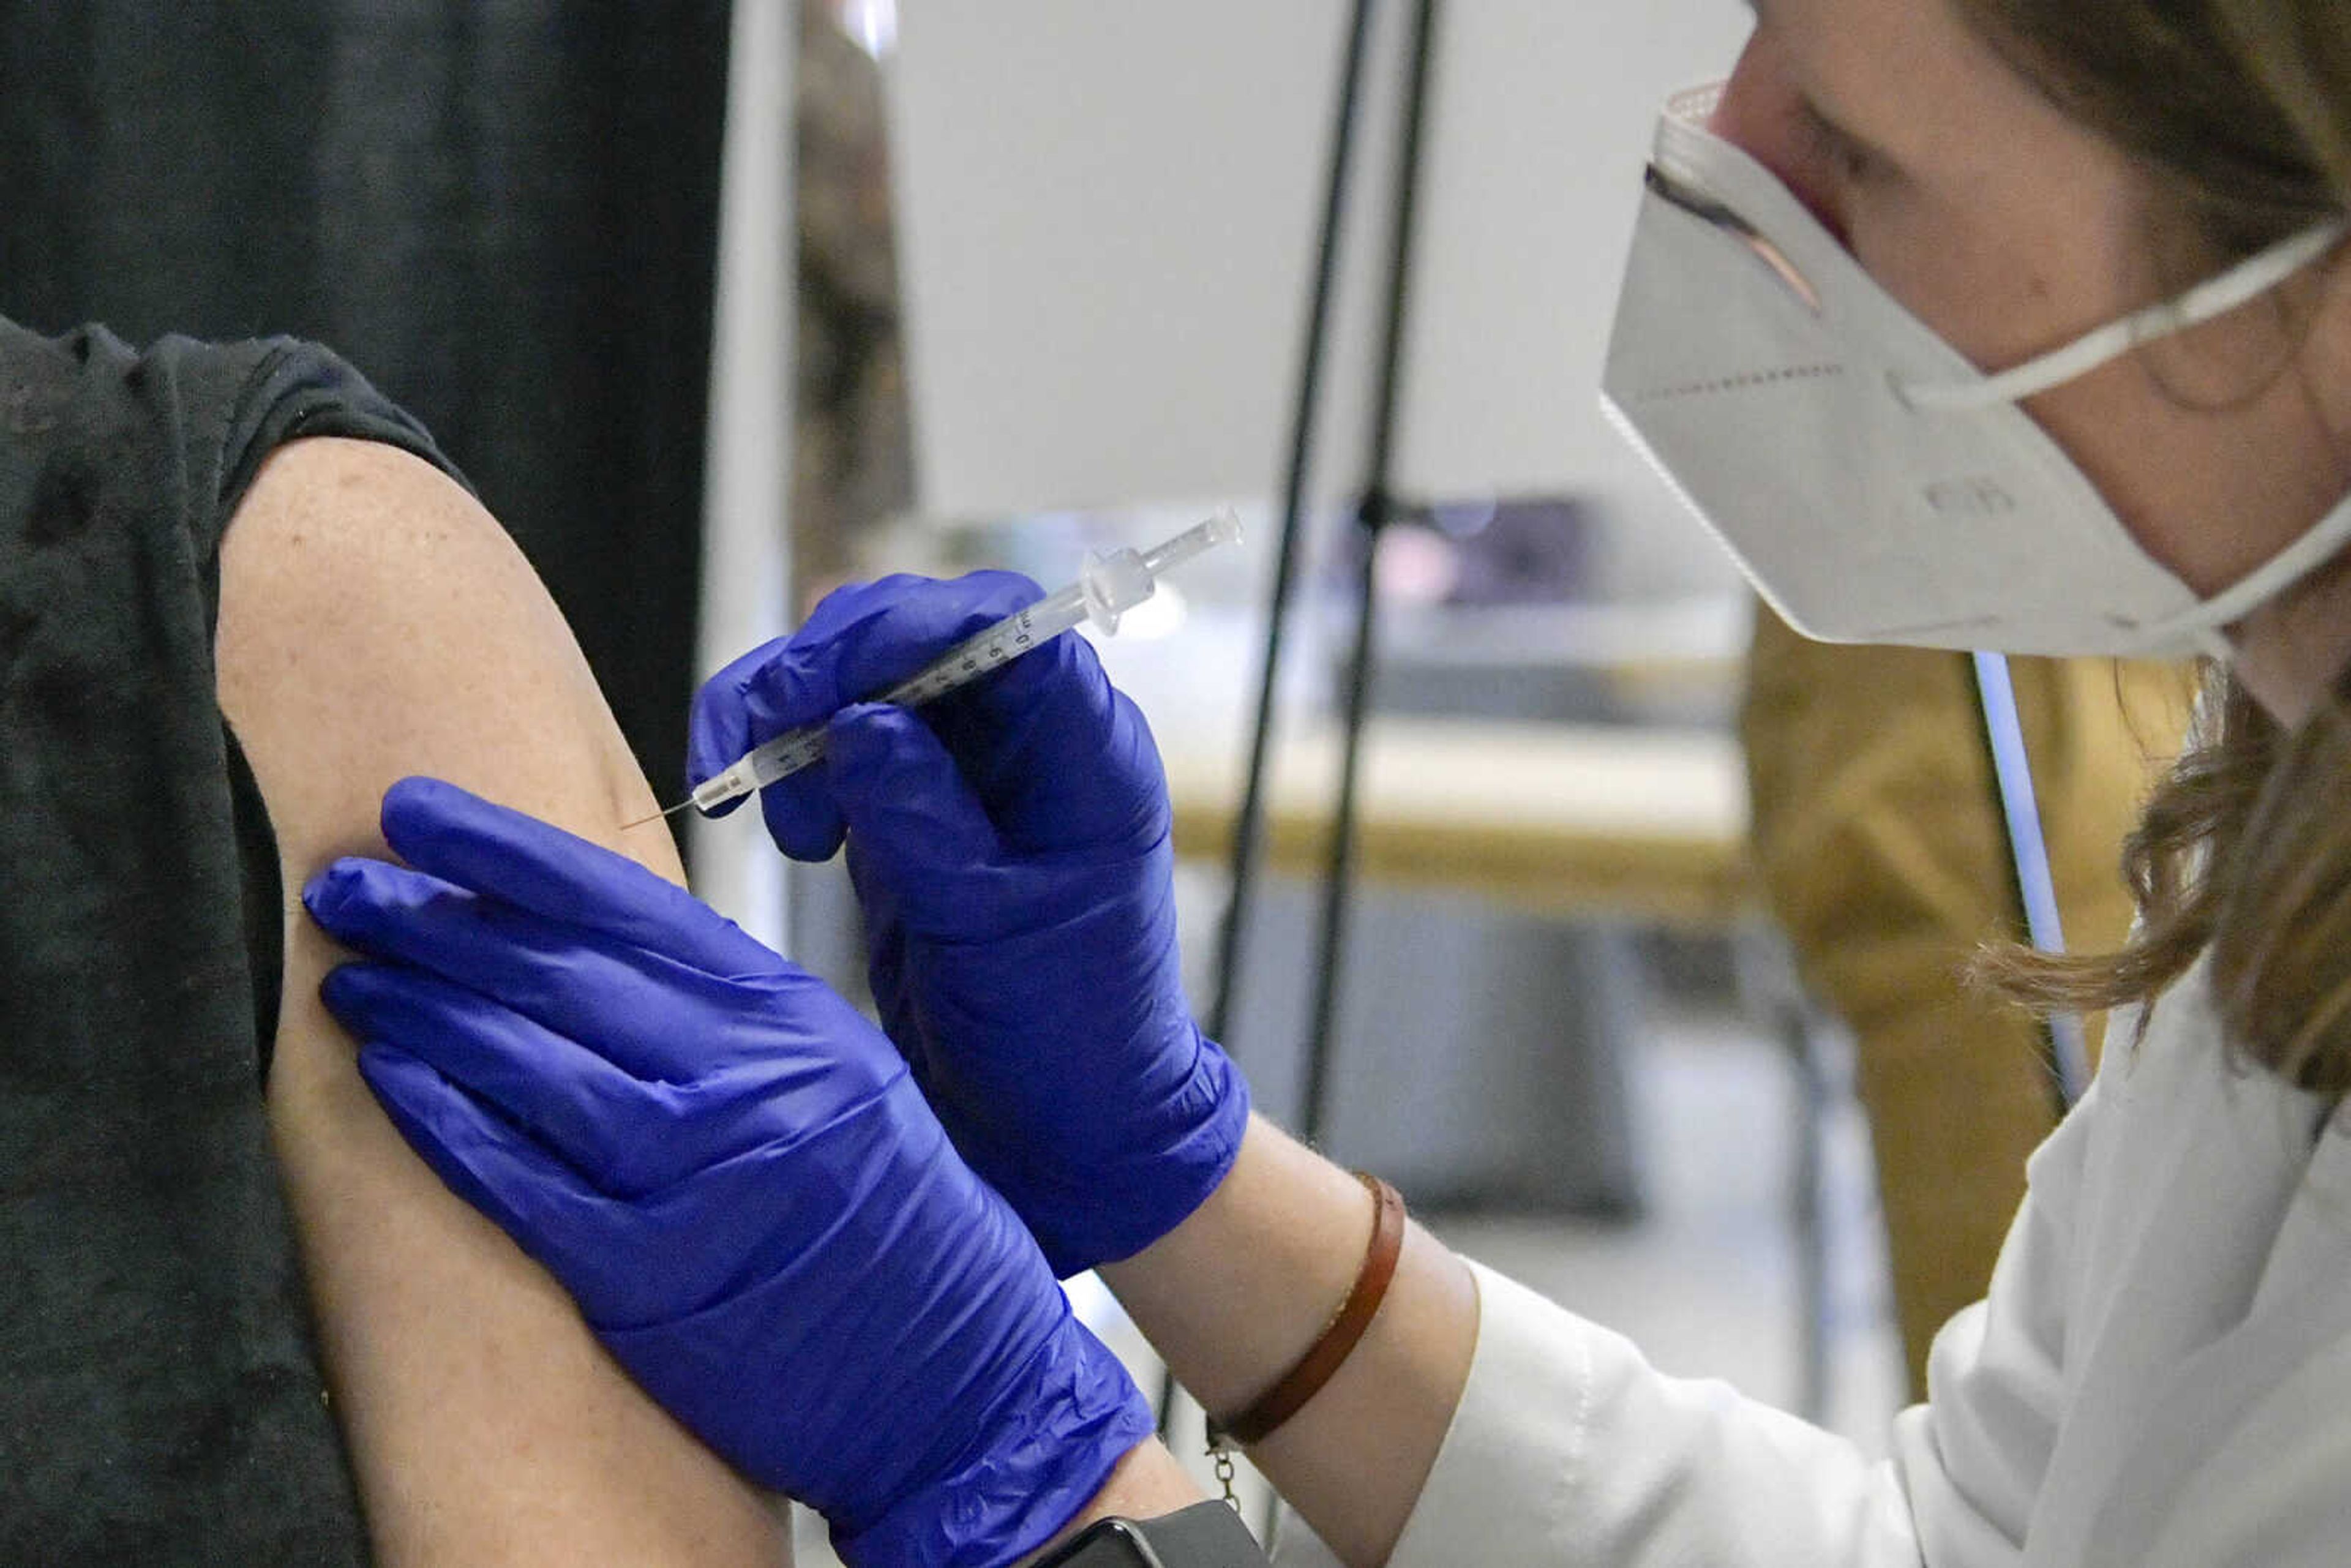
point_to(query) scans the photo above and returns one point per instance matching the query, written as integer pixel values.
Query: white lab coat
(2159, 1378)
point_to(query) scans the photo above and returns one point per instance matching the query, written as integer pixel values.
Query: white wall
(1108, 214)
(745, 576)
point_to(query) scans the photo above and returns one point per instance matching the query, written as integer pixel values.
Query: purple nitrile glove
(1009, 846)
(733, 1173)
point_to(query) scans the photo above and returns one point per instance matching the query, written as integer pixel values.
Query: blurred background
(721, 304)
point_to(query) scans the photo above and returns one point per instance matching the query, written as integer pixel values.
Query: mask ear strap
(2318, 545)
(2240, 285)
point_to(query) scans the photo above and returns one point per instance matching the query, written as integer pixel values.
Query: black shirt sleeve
(231, 405)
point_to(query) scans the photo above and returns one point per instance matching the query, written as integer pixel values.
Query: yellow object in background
(1878, 844)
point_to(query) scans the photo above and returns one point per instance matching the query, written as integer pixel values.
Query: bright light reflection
(873, 22)
(1161, 615)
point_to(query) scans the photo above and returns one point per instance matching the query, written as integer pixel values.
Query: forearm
(1234, 1295)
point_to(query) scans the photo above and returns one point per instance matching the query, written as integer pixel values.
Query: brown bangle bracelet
(1330, 1348)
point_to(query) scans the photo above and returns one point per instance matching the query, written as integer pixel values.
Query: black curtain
(504, 212)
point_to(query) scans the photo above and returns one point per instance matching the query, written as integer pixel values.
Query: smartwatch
(1205, 1535)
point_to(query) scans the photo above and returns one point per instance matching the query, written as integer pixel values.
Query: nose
(1761, 113)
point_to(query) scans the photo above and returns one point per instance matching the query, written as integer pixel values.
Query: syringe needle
(657, 816)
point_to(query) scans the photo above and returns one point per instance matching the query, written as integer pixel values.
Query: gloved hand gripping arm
(1010, 847)
(733, 1173)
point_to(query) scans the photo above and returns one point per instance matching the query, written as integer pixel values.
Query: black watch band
(1205, 1535)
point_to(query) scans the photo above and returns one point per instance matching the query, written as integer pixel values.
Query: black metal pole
(1248, 826)
(1374, 512)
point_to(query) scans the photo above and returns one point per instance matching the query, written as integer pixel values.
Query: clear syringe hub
(1115, 581)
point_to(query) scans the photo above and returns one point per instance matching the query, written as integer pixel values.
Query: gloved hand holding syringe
(1111, 582)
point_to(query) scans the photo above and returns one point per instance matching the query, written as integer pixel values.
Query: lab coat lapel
(2250, 1413)
(2197, 1185)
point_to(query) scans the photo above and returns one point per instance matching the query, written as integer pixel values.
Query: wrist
(1146, 1483)
(1342, 1333)
(1109, 1209)
(1233, 1297)
(1286, 1233)
(1059, 1431)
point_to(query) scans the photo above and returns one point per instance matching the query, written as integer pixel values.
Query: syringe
(1110, 583)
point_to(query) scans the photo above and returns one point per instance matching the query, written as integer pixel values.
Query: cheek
(2103, 423)
(2008, 250)
(2210, 493)
(1990, 301)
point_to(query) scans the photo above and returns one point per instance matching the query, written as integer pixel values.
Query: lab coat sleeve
(1569, 1450)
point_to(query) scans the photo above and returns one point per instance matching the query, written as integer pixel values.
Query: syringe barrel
(778, 757)
(1112, 581)
(1055, 612)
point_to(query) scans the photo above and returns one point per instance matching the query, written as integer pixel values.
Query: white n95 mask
(1874, 486)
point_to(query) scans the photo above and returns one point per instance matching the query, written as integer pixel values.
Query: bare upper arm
(375, 623)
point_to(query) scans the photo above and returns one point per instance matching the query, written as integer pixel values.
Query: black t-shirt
(161, 1399)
